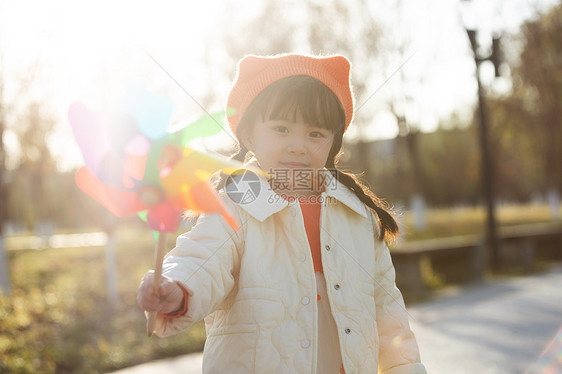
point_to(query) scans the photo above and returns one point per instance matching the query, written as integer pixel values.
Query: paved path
(188, 364)
(499, 327)
(496, 328)
(38, 242)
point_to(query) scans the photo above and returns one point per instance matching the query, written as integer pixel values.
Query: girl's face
(287, 148)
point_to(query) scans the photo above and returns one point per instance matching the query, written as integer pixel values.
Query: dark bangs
(282, 100)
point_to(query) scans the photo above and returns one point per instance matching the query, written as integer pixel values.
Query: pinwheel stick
(159, 253)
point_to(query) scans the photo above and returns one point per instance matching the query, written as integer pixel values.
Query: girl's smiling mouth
(294, 165)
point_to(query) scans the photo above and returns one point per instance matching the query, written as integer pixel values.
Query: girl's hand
(169, 299)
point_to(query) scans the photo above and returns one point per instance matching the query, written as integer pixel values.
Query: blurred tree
(4, 275)
(10, 108)
(526, 121)
(451, 165)
(29, 200)
(411, 169)
(264, 29)
(349, 29)
(452, 169)
(3, 192)
(518, 174)
(533, 107)
(402, 103)
(38, 193)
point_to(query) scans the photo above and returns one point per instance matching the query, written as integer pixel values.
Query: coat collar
(263, 202)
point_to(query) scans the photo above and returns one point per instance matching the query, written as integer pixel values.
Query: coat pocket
(230, 349)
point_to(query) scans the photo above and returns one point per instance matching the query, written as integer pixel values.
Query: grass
(58, 320)
(446, 222)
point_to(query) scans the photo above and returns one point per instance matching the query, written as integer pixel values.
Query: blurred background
(458, 124)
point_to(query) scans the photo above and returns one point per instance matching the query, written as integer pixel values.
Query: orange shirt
(311, 214)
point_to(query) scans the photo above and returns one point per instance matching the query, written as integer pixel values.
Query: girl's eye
(316, 134)
(281, 129)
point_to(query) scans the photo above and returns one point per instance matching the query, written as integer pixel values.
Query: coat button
(337, 286)
(327, 247)
(303, 257)
(347, 331)
(305, 300)
(294, 213)
(305, 343)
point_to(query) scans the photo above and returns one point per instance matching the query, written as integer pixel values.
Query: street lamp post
(487, 160)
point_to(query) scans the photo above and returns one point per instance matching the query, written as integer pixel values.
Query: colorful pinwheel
(135, 166)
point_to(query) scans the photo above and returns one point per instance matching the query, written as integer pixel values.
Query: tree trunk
(4, 274)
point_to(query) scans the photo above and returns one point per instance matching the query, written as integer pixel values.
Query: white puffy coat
(250, 285)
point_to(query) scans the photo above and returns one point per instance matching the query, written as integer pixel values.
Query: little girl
(306, 284)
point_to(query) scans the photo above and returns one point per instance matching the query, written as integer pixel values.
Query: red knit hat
(256, 73)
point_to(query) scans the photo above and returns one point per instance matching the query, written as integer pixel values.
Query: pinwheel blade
(151, 111)
(120, 202)
(194, 167)
(164, 217)
(201, 197)
(89, 133)
(133, 169)
(207, 201)
(210, 124)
